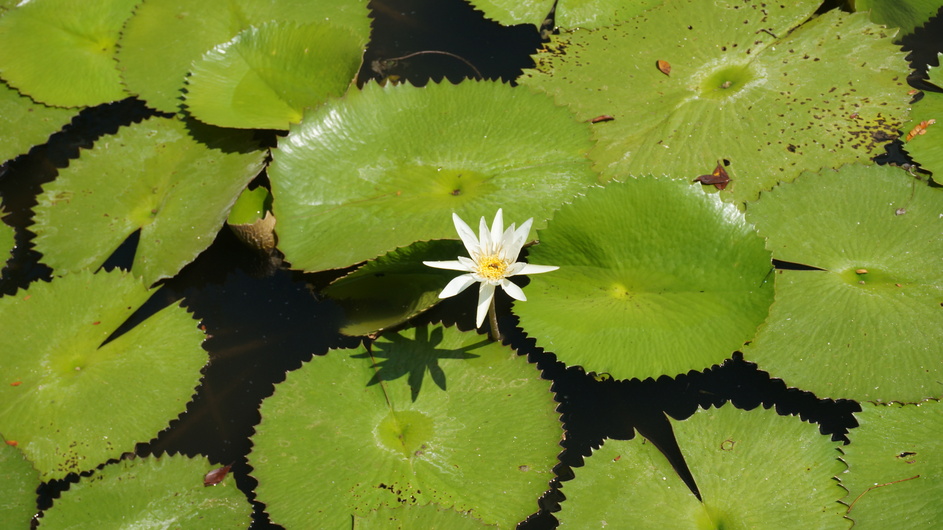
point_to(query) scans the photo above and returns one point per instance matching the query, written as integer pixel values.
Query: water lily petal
(457, 285)
(484, 235)
(520, 237)
(485, 294)
(513, 290)
(536, 269)
(497, 227)
(450, 265)
(468, 236)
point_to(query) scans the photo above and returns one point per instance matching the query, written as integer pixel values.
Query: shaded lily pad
(172, 180)
(903, 14)
(894, 470)
(411, 517)
(926, 147)
(60, 55)
(569, 13)
(164, 37)
(7, 240)
(164, 492)
(70, 399)
(24, 123)
(18, 483)
(431, 415)
(755, 84)
(656, 277)
(753, 469)
(387, 166)
(870, 324)
(266, 76)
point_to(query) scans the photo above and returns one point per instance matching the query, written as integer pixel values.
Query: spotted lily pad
(923, 134)
(410, 517)
(266, 76)
(656, 277)
(387, 166)
(894, 470)
(62, 54)
(753, 469)
(903, 14)
(869, 325)
(18, 483)
(24, 123)
(70, 397)
(567, 13)
(760, 85)
(172, 180)
(428, 415)
(164, 492)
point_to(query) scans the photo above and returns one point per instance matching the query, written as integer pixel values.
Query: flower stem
(493, 320)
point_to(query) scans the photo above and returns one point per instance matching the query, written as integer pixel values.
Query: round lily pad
(429, 414)
(61, 55)
(869, 325)
(759, 85)
(894, 471)
(164, 492)
(164, 37)
(18, 483)
(567, 13)
(923, 134)
(24, 123)
(904, 14)
(411, 517)
(656, 278)
(753, 469)
(172, 180)
(266, 76)
(70, 397)
(387, 166)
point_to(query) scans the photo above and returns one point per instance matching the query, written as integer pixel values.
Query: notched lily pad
(24, 123)
(567, 13)
(18, 483)
(71, 397)
(409, 517)
(756, 84)
(171, 180)
(923, 134)
(428, 415)
(870, 324)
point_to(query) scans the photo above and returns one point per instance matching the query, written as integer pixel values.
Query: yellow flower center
(492, 267)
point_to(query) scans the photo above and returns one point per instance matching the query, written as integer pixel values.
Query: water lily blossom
(491, 261)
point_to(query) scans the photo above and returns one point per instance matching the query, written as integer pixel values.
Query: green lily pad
(393, 288)
(24, 123)
(656, 278)
(172, 180)
(894, 470)
(164, 492)
(903, 14)
(266, 76)
(63, 56)
(250, 206)
(388, 166)
(569, 13)
(70, 399)
(353, 432)
(411, 517)
(18, 483)
(754, 469)
(164, 37)
(7, 240)
(926, 148)
(869, 325)
(756, 84)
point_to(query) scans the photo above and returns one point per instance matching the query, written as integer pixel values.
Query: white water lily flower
(491, 262)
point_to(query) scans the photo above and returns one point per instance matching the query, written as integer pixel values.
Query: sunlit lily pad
(756, 84)
(174, 181)
(164, 492)
(266, 76)
(894, 470)
(903, 14)
(394, 287)
(72, 402)
(61, 55)
(568, 13)
(18, 483)
(387, 166)
(164, 37)
(870, 325)
(656, 277)
(431, 415)
(7, 240)
(753, 469)
(411, 517)
(925, 129)
(24, 123)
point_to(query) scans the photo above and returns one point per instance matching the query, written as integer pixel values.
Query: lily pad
(61, 55)
(172, 180)
(410, 517)
(24, 123)
(894, 470)
(903, 14)
(71, 398)
(568, 13)
(18, 483)
(756, 84)
(429, 415)
(393, 288)
(656, 278)
(388, 166)
(164, 37)
(7, 240)
(924, 132)
(164, 492)
(869, 325)
(753, 469)
(266, 76)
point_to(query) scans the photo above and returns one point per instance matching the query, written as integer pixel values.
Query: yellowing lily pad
(70, 397)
